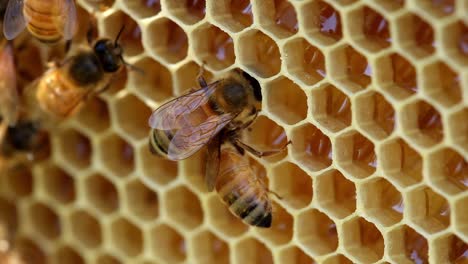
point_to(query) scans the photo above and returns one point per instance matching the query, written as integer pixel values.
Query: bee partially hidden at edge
(47, 20)
(210, 116)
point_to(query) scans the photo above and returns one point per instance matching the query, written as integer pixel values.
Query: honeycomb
(372, 93)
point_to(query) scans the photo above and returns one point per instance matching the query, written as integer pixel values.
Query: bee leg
(275, 194)
(258, 153)
(201, 80)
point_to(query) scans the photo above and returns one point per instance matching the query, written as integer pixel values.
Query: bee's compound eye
(109, 59)
(257, 89)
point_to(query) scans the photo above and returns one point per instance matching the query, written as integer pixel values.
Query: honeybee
(185, 124)
(9, 98)
(240, 186)
(62, 90)
(48, 21)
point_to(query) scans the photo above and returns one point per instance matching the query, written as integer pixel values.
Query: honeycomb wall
(373, 95)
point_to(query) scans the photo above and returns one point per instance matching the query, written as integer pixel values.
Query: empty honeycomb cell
(30, 251)
(222, 220)
(45, 221)
(396, 76)
(131, 36)
(362, 240)
(117, 155)
(286, 100)
(74, 147)
(213, 46)
(407, 245)
(126, 237)
(95, 115)
(251, 251)
(141, 200)
(260, 54)
(187, 11)
(293, 184)
(448, 170)
(155, 84)
(183, 207)
(350, 68)
(85, 228)
(455, 41)
(316, 232)
(335, 194)
(322, 22)
(450, 249)
(442, 84)
(101, 193)
(400, 162)
(371, 29)
(381, 201)
(331, 107)
(157, 169)
(107, 259)
(427, 209)
(437, 8)
(415, 35)
(19, 180)
(265, 134)
(422, 123)
(8, 213)
(304, 61)
(337, 259)
(143, 8)
(311, 147)
(374, 115)
(294, 255)
(58, 184)
(278, 17)
(167, 244)
(281, 230)
(356, 154)
(186, 78)
(132, 115)
(460, 217)
(458, 128)
(234, 15)
(209, 248)
(66, 254)
(166, 40)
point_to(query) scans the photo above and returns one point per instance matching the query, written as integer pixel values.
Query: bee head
(110, 53)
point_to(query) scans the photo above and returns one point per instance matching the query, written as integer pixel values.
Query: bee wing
(14, 21)
(212, 162)
(189, 139)
(68, 19)
(8, 93)
(169, 116)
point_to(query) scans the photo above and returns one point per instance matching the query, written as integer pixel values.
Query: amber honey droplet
(463, 39)
(196, 8)
(285, 16)
(329, 21)
(424, 35)
(313, 61)
(359, 71)
(363, 153)
(430, 121)
(376, 28)
(457, 170)
(131, 37)
(222, 46)
(153, 4)
(242, 11)
(404, 74)
(384, 114)
(267, 54)
(416, 246)
(458, 253)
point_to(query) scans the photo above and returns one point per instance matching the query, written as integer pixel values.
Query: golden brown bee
(8, 93)
(185, 124)
(62, 90)
(47, 20)
(229, 172)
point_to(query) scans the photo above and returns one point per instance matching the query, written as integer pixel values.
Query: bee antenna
(132, 67)
(118, 35)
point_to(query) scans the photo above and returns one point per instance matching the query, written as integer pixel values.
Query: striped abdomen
(240, 189)
(45, 19)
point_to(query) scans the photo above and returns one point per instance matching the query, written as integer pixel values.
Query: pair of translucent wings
(175, 115)
(15, 21)
(8, 92)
